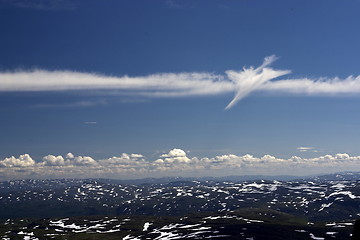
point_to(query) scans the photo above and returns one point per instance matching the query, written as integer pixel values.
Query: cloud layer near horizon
(180, 84)
(175, 162)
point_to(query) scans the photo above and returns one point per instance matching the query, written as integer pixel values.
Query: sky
(137, 88)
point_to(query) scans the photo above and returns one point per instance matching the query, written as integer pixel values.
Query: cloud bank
(242, 83)
(174, 163)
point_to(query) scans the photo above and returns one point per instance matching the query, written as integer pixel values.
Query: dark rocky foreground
(318, 208)
(242, 224)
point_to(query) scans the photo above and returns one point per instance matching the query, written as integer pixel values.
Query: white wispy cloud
(172, 4)
(71, 105)
(175, 162)
(165, 84)
(42, 5)
(242, 83)
(321, 86)
(304, 149)
(251, 79)
(90, 123)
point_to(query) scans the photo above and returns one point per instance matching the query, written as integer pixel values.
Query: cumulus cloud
(53, 160)
(70, 155)
(70, 160)
(175, 162)
(124, 160)
(175, 155)
(23, 161)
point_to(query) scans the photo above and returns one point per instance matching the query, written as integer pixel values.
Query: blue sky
(103, 78)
